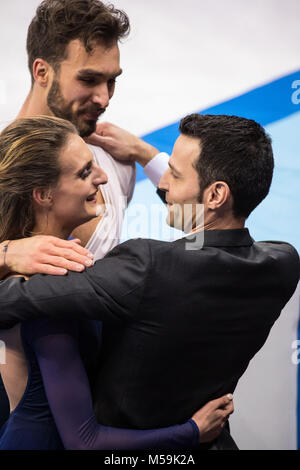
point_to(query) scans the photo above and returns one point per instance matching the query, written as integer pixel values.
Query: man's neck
(34, 105)
(227, 223)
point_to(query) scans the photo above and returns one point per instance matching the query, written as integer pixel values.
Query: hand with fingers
(47, 255)
(211, 418)
(122, 145)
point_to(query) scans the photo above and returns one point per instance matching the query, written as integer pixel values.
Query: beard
(61, 109)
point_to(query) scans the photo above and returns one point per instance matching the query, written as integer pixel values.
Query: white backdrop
(180, 57)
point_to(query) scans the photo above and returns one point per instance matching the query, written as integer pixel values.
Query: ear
(43, 197)
(42, 72)
(217, 195)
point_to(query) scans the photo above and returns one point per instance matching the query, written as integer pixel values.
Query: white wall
(266, 396)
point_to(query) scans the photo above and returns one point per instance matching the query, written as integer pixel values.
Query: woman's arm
(67, 388)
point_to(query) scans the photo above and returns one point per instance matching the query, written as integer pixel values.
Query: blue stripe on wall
(266, 104)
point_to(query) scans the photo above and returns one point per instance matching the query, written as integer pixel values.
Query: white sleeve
(157, 167)
(126, 173)
(131, 184)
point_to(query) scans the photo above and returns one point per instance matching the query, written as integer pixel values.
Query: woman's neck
(47, 226)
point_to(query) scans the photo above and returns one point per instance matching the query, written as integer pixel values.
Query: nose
(100, 176)
(163, 184)
(101, 95)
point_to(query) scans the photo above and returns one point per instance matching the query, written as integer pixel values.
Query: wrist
(4, 264)
(144, 152)
(196, 432)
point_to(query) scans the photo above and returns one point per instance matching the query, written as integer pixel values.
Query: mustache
(92, 110)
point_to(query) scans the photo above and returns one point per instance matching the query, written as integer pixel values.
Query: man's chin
(170, 220)
(176, 221)
(86, 128)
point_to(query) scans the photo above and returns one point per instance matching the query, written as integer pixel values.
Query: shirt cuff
(157, 167)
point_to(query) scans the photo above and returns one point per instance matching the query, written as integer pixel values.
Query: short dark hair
(234, 150)
(57, 22)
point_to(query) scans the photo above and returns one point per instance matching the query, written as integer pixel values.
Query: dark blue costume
(4, 404)
(56, 409)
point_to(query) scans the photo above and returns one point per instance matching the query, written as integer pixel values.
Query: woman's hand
(212, 417)
(46, 255)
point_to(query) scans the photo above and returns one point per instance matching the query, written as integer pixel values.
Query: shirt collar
(236, 237)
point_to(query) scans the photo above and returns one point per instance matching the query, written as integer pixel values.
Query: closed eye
(93, 81)
(85, 174)
(88, 81)
(86, 171)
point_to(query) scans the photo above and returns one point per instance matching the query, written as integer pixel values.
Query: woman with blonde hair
(48, 185)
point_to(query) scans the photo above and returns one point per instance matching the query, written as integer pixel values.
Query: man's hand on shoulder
(121, 144)
(212, 417)
(46, 255)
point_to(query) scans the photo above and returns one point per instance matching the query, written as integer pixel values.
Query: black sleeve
(109, 291)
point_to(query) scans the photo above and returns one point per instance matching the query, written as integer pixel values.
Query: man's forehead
(186, 149)
(78, 57)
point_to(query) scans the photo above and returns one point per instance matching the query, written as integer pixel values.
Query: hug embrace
(137, 345)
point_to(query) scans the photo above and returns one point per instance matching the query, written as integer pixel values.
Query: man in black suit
(182, 320)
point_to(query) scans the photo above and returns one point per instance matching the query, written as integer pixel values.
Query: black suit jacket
(181, 321)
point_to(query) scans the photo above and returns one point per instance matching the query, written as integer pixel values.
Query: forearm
(143, 152)
(43, 297)
(109, 291)
(93, 436)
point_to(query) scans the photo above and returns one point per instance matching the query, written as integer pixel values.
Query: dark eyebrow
(173, 168)
(87, 166)
(94, 74)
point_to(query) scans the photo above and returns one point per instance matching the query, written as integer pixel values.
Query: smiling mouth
(93, 116)
(92, 197)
